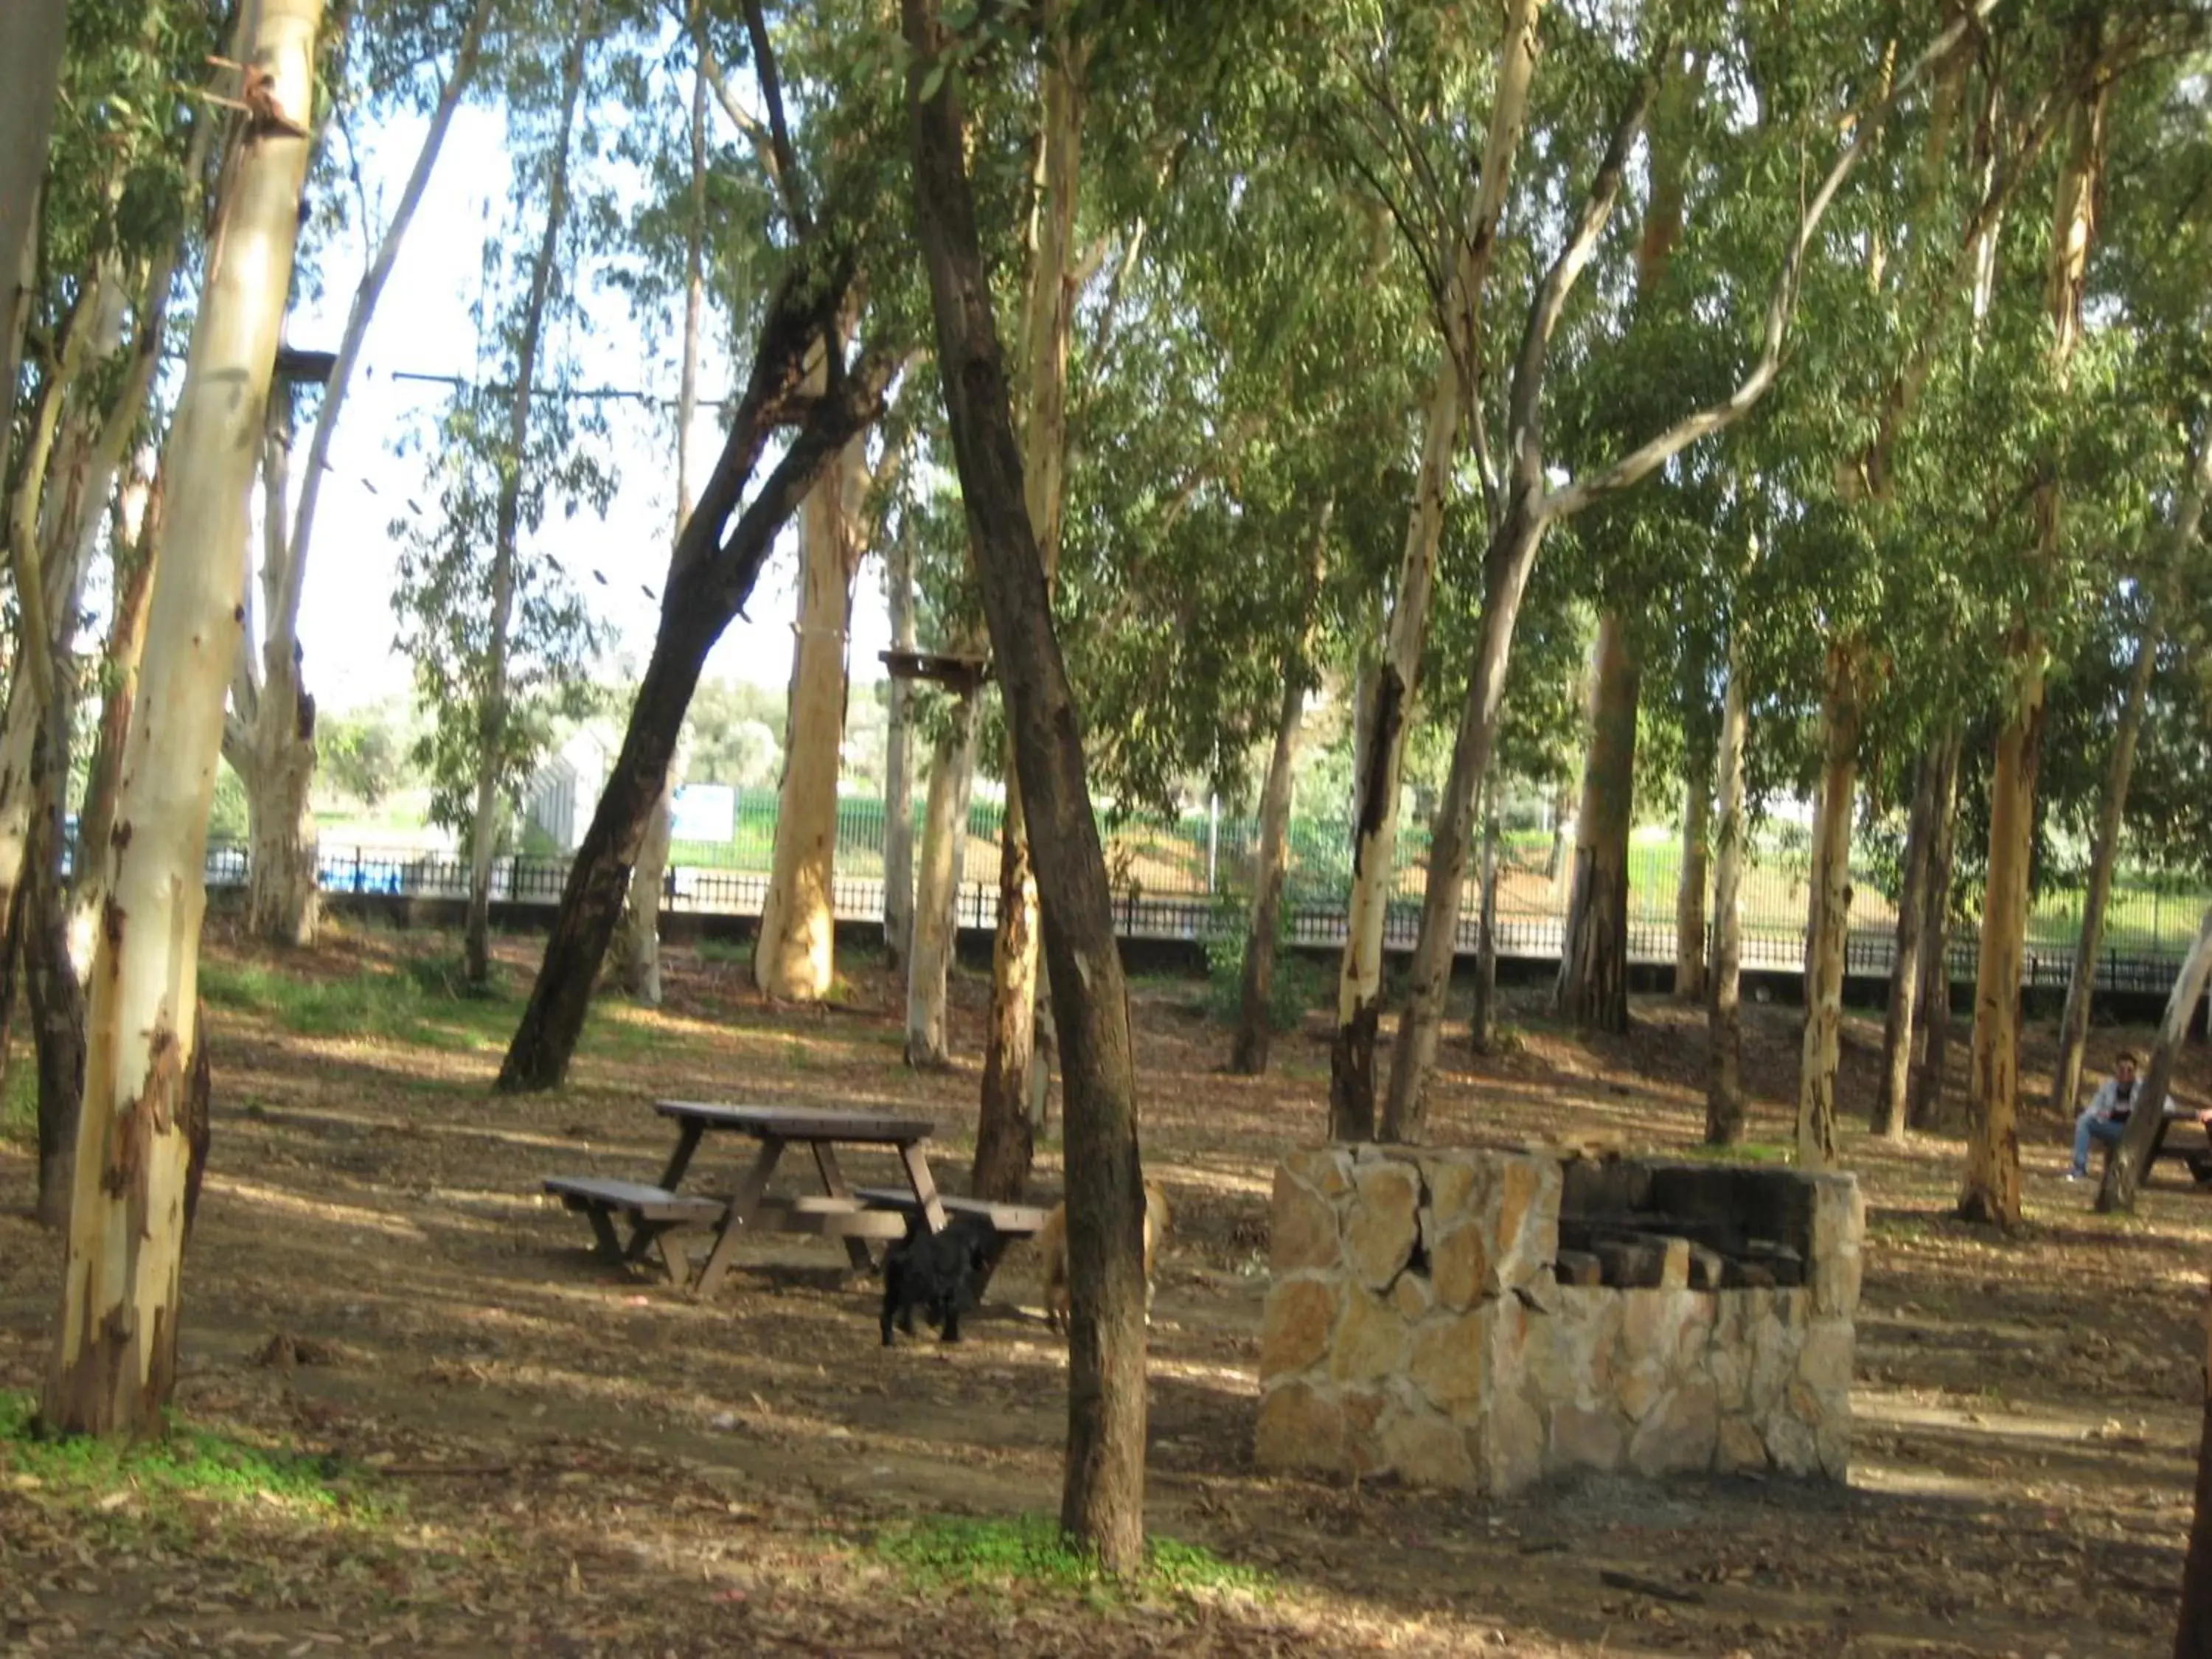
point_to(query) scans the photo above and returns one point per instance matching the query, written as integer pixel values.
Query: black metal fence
(1310, 918)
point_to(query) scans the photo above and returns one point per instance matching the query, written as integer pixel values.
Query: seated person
(2106, 1119)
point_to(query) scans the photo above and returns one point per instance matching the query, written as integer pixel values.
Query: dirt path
(532, 1455)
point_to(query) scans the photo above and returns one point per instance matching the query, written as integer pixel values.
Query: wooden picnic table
(2197, 1156)
(838, 1212)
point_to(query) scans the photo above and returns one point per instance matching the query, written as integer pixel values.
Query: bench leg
(610, 1249)
(735, 1219)
(924, 1185)
(833, 1182)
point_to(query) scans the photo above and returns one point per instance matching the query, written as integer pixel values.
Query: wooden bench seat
(1011, 1221)
(652, 1211)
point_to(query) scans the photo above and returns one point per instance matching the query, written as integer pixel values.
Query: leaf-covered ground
(415, 1416)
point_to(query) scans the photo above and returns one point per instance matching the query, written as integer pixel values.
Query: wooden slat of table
(801, 1122)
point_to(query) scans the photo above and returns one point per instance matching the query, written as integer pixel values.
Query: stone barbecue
(1485, 1320)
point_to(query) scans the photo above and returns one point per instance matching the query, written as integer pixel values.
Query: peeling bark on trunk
(1006, 1137)
(126, 641)
(1593, 988)
(1831, 880)
(1899, 1020)
(1991, 1192)
(2129, 1162)
(1102, 1504)
(115, 1354)
(1932, 1007)
(1725, 1113)
(282, 898)
(794, 953)
(1690, 888)
(937, 897)
(1255, 1012)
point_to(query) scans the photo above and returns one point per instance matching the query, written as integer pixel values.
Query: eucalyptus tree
(397, 54)
(832, 217)
(115, 1344)
(495, 635)
(1400, 96)
(1101, 1502)
(2159, 271)
(117, 216)
(1527, 503)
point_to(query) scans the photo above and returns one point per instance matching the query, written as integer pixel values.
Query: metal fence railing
(1188, 878)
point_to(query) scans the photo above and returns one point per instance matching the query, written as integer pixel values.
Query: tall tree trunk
(1389, 713)
(1511, 556)
(1933, 1004)
(1689, 886)
(31, 36)
(937, 896)
(1482, 1026)
(636, 945)
(1256, 1011)
(56, 997)
(281, 903)
(898, 762)
(1019, 1041)
(1898, 1018)
(794, 953)
(491, 737)
(2193, 1637)
(2125, 1170)
(1991, 1192)
(115, 1352)
(1102, 1502)
(1992, 1189)
(1005, 1134)
(282, 895)
(715, 565)
(1831, 880)
(1724, 1111)
(1593, 989)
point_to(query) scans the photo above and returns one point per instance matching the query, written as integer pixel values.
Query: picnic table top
(801, 1122)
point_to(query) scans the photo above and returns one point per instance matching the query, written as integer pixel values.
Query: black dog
(941, 1274)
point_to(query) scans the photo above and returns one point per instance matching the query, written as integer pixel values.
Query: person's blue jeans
(2106, 1131)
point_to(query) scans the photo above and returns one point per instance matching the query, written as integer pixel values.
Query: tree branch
(787, 165)
(1524, 409)
(1641, 462)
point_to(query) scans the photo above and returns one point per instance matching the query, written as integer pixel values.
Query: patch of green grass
(422, 1002)
(1749, 1151)
(999, 1554)
(184, 1462)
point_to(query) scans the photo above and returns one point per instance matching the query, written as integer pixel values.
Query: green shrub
(1298, 984)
